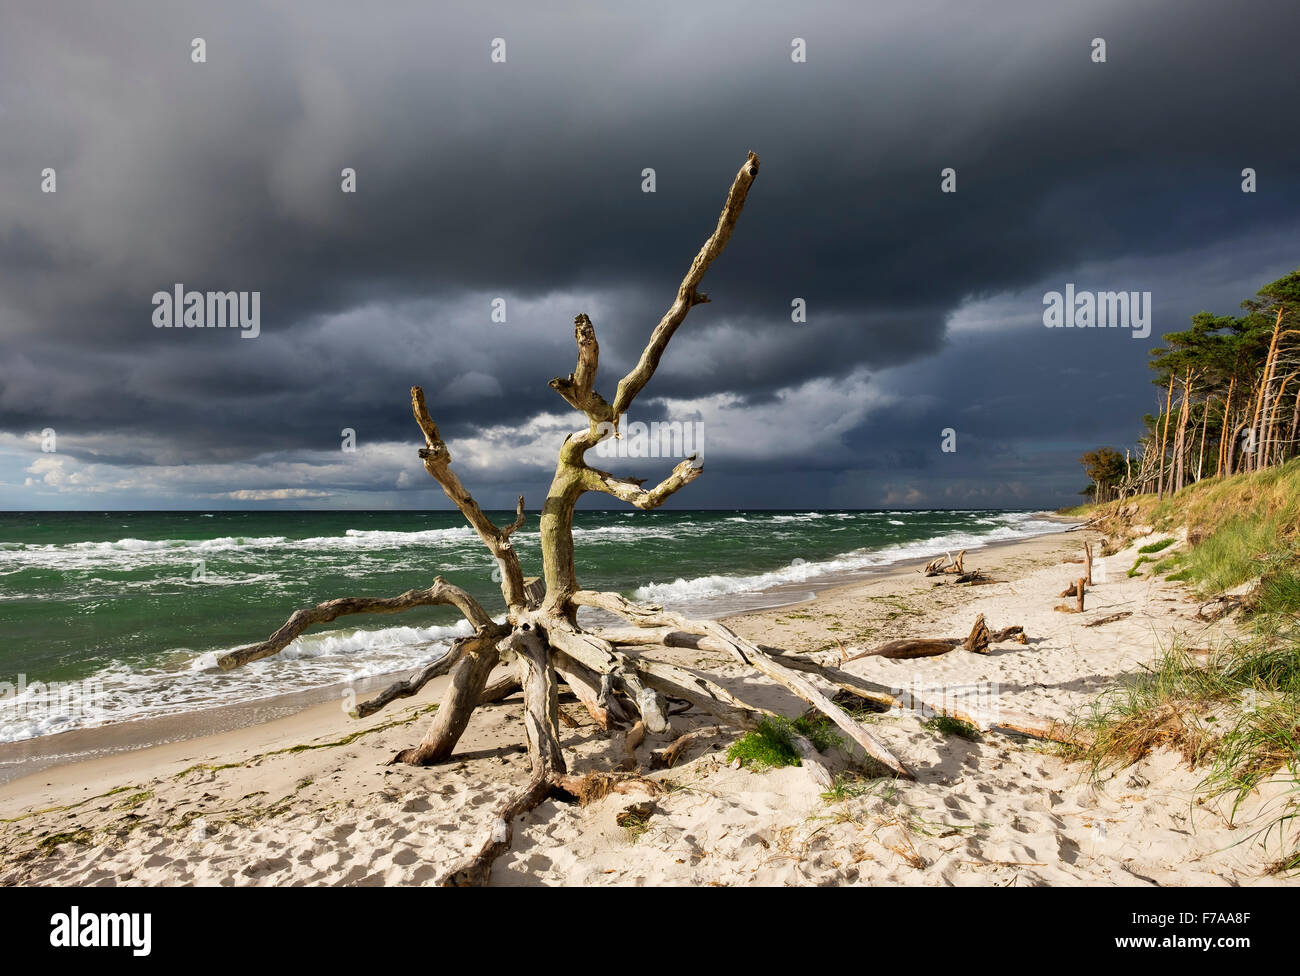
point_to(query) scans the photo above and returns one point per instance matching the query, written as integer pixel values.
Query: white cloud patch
(272, 494)
(803, 421)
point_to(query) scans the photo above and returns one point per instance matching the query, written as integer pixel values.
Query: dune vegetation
(1233, 712)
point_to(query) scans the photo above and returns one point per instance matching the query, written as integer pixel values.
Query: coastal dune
(309, 799)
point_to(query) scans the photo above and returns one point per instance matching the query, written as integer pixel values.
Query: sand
(305, 799)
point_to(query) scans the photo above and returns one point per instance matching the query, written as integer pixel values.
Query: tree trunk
(1221, 461)
(1265, 382)
(1180, 437)
(1164, 438)
(1205, 424)
(1295, 420)
(468, 679)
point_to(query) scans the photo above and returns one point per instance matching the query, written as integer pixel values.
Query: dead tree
(540, 633)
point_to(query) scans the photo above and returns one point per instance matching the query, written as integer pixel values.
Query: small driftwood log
(977, 641)
(946, 564)
(1218, 608)
(881, 696)
(667, 757)
(1109, 619)
(974, 578)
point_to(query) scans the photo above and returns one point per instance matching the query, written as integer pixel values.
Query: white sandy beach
(308, 799)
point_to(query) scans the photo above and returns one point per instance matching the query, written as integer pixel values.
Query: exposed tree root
(474, 870)
(1219, 607)
(583, 790)
(412, 685)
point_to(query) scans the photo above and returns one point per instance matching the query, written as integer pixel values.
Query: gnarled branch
(600, 656)
(410, 686)
(687, 296)
(572, 477)
(437, 461)
(441, 593)
(630, 490)
(469, 678)
(579, 388)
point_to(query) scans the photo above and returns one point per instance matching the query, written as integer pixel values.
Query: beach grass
(1234, 712)
(1157, 546)
(945, 724)
(771, 745)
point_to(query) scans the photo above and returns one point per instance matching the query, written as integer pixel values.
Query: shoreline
(308, 798)
(30, 756)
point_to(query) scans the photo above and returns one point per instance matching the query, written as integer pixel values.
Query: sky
(517, 185)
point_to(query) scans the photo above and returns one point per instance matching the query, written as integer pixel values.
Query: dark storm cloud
(522, 180)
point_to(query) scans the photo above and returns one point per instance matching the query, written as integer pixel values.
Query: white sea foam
(187, 679)
(133, 553)
(193, 680)
(705, 590)
(647, 531)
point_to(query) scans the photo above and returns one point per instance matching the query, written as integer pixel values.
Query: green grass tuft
(771, 745)
(1166, 564)
(767, 747)
(1133, 571)
(819, 730)
(947, 725)
(1235, 716)
(1157, 546)
(48, 844)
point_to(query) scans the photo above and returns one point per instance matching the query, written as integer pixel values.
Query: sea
(107, 617)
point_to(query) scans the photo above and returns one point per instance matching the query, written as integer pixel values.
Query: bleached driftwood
(977, 641)
(946, 564)
(611, 670)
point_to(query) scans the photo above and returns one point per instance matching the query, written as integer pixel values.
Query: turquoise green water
(142, 603)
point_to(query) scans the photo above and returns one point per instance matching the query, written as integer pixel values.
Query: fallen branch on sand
(667, 757)
(977, 641)
(1110, 619)
(975, 578)
(1219, 607)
